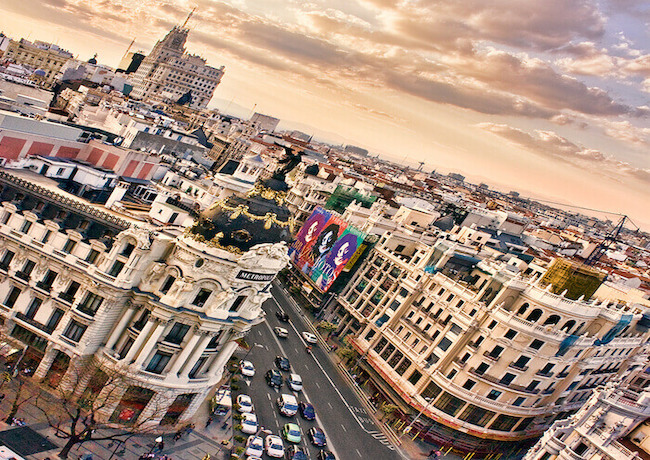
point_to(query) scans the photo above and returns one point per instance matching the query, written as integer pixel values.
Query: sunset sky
(549, 98)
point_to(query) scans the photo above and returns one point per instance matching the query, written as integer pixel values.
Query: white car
(249, 423)
(274, 446)
(247, 368)
(245, 403)
(254, 446)
(281, 332)
(295, 382)
(309, 337)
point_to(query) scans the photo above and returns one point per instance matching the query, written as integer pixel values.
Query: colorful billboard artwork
(329, 266)
(307, 235)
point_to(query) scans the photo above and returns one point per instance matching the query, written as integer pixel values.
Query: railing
(544, 374)
(67, 297)
(33, 322)
(496, 381)
(517, 367)
(22, 276)
(491, 357)
(44, 286)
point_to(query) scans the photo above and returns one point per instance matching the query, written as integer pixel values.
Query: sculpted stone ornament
(141, 236)
(156, 271)
(220, 299)
(181, 285)
(277, 251)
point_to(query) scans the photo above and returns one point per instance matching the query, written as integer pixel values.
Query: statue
(290, 161)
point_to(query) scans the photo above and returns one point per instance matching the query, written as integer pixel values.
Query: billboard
(325, 246)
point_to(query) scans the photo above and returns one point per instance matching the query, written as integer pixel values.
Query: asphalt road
(351, 433)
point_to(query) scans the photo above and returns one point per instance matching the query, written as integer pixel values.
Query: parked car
(317, 436)
(254, 446)
(247, 368)
(282, 316)
(324, 455)
(281, 332)
(249, 423)
(283, 363)
(307, 411)
(274, 446)
(295, 453)
(245, 403)
(309, 337)
(291, 432)
(274, 378)
(295, 382)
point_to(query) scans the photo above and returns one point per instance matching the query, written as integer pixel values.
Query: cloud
(552, 145)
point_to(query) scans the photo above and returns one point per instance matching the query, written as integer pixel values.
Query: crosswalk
(381, 437)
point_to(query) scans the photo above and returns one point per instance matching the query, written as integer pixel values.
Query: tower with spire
(170, 72)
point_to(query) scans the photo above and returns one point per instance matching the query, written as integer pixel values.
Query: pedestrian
(161, 445)
(2, 397)
(224, 426)
(208, 422)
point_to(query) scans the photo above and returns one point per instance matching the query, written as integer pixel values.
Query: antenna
(188, 17)
(129, 47)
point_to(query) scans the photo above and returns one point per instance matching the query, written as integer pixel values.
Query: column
(222, 358)
(156, 409)
(142, 336)
(198, 351)
(119, 329)
(46, 362)
(183, 355)
(150, 344)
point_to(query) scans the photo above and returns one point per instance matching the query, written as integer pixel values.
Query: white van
(288, 405)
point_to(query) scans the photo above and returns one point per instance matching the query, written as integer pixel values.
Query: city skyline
(560, 105)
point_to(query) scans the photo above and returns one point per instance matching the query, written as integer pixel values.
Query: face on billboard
(325, 240)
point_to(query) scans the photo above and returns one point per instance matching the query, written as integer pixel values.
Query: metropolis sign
(252, 276)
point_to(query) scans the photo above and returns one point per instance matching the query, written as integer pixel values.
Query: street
(351, 433)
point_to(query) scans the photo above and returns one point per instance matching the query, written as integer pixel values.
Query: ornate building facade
(483, 352)
(165, 310)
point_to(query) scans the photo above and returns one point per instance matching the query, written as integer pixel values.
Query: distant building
(169, 73)
(46, 57)
(131, 62)
(355, 150)
(265, 122)
(456, 176)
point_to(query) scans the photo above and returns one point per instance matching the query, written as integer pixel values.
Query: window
(403, 366)
(400, 248)
(10, 301)
(510, 334)
(455, 329)
(34, 305)
(444, 344)
(74, 331)
(46, 236)
(116, 268)
(70, 292)
(144, 317)
(128, 249)
(48, 279)
(197, 367)
(507, 378)
(504, 422)
(201, 297)
(492, 325)
(469, 384)
(214, 342)
(90, 304)
(26, 226)
(493, 394)
(546, 370)
(415, 377)
(519, 401)
(496, 351)
(521, 362)
(476, 415)
(177, 333)
(27, 270)
(431, 391)
(53, 322)
(158, 362)
(449, 404)
(92, 256)
(167, 284)
(532, 385)
(536, 344)
(69, 246)
(452, 374)
(482, 368)
(237, 303)
(6, 260)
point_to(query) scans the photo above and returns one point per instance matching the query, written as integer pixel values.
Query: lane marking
(359, 453)
(344, 429)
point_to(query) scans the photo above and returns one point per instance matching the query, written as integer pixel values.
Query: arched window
(523, 309)
(534, 315)
(568, 326)
(552, 320)
(577, 331)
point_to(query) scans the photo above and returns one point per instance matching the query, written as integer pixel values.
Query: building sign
(252, 276)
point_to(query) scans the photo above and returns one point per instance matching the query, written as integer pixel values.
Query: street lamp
(417, 417)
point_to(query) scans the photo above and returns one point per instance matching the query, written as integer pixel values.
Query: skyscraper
(169, 72)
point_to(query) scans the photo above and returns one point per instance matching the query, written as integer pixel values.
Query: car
(254, 446)
(274, 378)
(274, 446)
(291, 432)
(283, 363)
(247, 368)
(245, 403)
(282, 316)
(309, 337)
(281, 332)
(306, 411)
(295, 382)
(249, 423)
(317, 436)
(295, 453)
(325, 455)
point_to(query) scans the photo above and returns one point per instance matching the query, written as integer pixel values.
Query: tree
(83, 401)
(326, 326)
(347, 353)
(387, 409)
(20, 398)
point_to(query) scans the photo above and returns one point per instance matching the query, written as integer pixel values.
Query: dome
(445, 223)
(238, 223)
(93, 60)
(40, 72)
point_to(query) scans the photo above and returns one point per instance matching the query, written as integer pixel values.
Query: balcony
(511, 386)
(44, 286)
(4, 267)
(66, 297)
(23, 276)
(491, 357)
(518, 367)
(562, 375)
(544, 374)
(36, 324)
